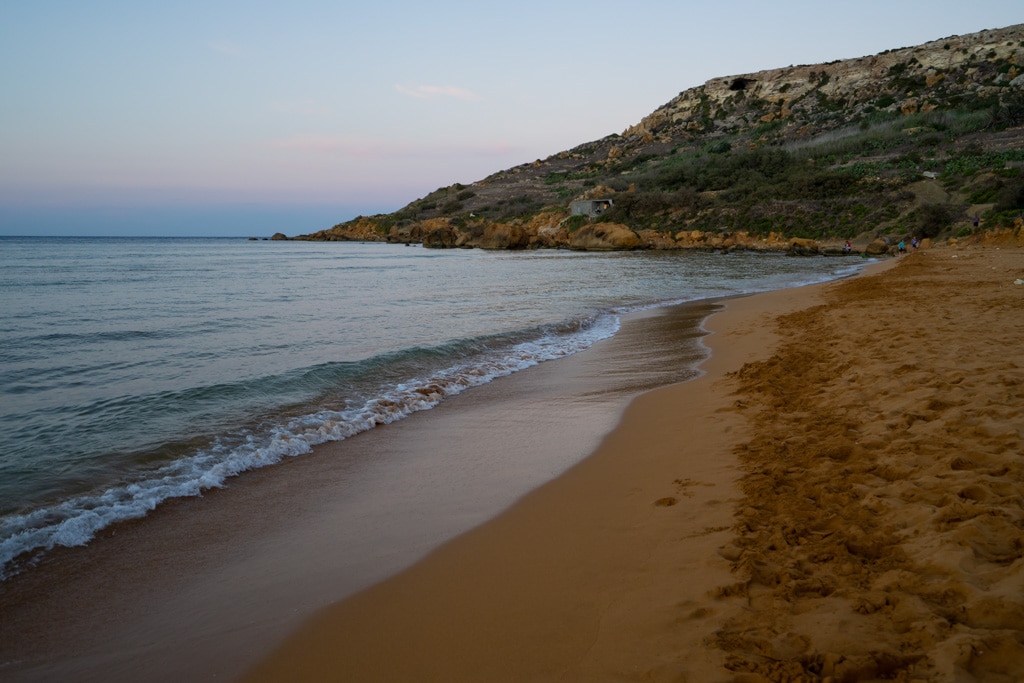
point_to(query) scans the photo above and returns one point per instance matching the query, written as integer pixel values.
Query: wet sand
(838, 498)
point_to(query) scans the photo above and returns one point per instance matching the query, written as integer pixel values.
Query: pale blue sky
(246, 118)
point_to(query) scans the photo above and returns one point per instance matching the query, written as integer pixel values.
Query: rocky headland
(923, 141)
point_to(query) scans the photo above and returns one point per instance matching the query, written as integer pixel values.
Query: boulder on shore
(441, 237)
(502, 236)
(877, 247)
(604, 237)
(799, 246)
(549, 237)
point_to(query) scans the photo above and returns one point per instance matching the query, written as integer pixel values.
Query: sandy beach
(837, 498)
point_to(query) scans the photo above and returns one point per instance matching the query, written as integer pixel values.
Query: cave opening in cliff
(740, 83)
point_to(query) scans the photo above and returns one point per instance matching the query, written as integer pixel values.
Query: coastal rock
(405, 233)
(652, 239)
(440, 237)
(502, 236)
(548, 236)
(604, 237)
(878, 247)
(361, 229)
(279, 236)
(799, 246)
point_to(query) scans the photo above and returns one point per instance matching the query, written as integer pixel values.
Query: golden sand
(882, 527)
(839, 498)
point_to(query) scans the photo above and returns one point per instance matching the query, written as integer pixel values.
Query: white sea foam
(76, 521)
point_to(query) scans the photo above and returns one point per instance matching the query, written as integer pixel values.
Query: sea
(134, 371)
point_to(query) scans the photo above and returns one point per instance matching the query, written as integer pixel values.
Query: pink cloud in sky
(426, 92)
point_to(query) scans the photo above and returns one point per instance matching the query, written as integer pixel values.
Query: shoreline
(202, 587)
(650, 550)
(570, 583)
(848, 507)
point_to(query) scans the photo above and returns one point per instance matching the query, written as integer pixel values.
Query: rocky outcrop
(405, 234)
(736, 241)
(877, 247)
(438, 234)
(903, 80)
(802, 247)
(550, 236)
(604, 237)
(652, 239)
(549, 231)
(497, 236)
(359, 230)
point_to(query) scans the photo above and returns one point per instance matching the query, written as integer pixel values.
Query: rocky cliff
(808, 99)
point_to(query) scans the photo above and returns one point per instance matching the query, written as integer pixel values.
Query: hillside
(912, 141)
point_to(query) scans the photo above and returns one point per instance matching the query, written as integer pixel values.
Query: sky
(230, 118)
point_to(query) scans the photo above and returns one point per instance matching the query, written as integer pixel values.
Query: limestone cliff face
(906, 80)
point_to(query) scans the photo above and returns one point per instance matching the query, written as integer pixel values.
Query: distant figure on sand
(847, 248)
(977, 221)
(902, 247)
(914, 242)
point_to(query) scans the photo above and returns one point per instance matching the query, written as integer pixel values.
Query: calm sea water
(134, 370)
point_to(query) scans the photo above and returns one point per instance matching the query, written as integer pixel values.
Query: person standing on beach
(902, 247)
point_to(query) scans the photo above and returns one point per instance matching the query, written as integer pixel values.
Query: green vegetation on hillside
(912, 141)
(830, 186)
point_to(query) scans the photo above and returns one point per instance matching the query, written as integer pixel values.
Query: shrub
(1009, 111)
(574, 223)
(1011, 196)
(933, 219)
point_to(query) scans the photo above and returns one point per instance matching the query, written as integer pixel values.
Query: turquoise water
(135, 370)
